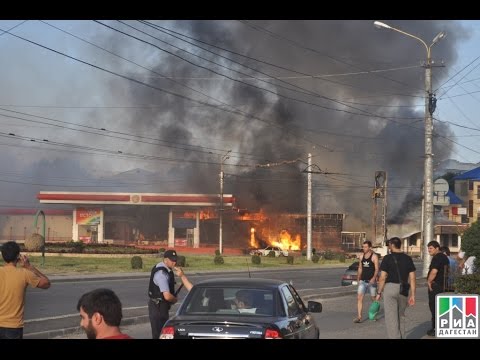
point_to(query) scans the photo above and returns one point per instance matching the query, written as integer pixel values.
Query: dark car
(350, 275)
(211, 310)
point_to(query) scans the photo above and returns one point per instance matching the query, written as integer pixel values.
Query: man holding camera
(13, 284)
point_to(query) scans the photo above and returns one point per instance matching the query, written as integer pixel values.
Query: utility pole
(220, 215)
(430, 104)
(309, 171)
(309, 208)
(428, 180)
(379, 192)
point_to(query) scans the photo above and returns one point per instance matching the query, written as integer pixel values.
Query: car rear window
(225, 301)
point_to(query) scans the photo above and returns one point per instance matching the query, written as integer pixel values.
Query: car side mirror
(314, 306)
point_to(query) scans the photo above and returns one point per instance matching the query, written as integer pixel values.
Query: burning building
(287, 231)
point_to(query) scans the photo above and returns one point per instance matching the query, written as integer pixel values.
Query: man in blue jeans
(366, 277)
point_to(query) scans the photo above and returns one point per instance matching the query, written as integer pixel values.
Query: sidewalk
(336, 320)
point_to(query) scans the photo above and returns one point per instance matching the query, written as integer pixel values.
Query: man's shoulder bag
(404, 287)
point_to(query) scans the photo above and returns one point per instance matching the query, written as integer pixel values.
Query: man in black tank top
(366, 277)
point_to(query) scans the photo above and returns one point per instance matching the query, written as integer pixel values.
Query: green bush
(304, 252)
(329, 255)
(471, 242)
(137, 262)
(34, 242)
(467, 284)
(341, 257)
(290, 259)
(161, 250)
(314, 251)
(218, 260)
(271, 253)
(78, 246)
(315, 258)
(217, 252)
(256, 259)
(181, 260)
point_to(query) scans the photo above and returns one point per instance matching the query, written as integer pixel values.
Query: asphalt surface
(335, 322)
(53, 312)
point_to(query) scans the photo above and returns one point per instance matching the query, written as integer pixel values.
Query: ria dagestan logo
(457, 316)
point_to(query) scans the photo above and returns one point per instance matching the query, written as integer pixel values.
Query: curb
(141, 319)
(146, 274)
(51, 334)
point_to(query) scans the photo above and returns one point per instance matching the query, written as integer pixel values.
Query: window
(444, 239)
(412, 241)
(292, 305)
(223, 301)
(446, 213)
(454, 240)
(470, 208)
(463, 189)
(470, 185)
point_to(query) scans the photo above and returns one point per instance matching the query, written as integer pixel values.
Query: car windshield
(237, 301)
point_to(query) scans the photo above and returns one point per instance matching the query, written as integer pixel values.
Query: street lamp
(220, 215)
(430, 103)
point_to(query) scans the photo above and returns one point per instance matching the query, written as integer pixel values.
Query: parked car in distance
(264, 252)
(243, 308)
(349, 277)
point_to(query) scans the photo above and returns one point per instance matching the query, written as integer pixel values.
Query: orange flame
(204, 214)
(253, 242)
(286, 242)
(258, 216)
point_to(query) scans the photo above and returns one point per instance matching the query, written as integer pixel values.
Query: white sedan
(278, 251)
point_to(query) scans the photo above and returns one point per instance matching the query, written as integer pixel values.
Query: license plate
(354, 282)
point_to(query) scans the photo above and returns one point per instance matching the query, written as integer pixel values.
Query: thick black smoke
(350, 139)
(356, 121)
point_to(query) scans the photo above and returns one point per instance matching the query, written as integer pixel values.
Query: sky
(460, 104)
(82, 101)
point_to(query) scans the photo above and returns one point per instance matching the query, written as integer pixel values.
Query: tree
(471, 242)
(449, 177)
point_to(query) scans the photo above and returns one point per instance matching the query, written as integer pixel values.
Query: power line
(237, 112)
(303, 75)
(275, 35)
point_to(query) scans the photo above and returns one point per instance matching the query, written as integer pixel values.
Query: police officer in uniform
(161, 291)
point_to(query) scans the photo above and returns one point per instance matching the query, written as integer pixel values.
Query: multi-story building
(467, 188)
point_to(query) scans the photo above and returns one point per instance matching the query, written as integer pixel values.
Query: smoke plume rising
(328, 99)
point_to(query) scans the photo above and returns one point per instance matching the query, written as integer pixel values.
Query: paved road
(55, 308)
(336, 320)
